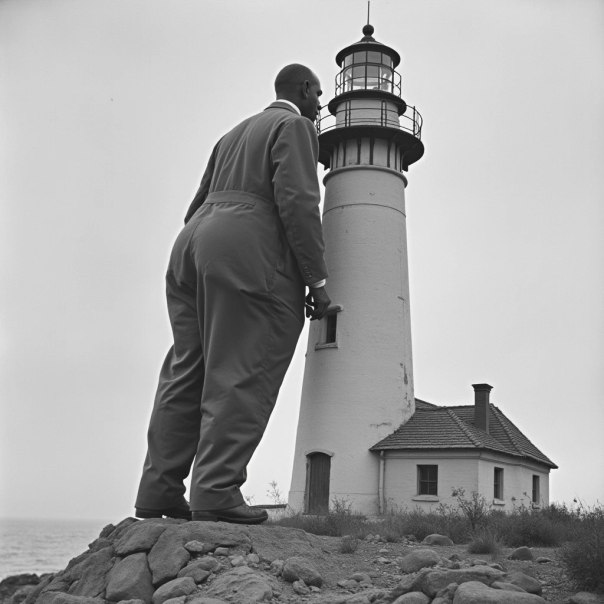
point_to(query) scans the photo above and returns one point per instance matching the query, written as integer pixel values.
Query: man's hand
(317, 303)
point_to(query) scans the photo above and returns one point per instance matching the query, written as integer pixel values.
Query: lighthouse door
(317, 483)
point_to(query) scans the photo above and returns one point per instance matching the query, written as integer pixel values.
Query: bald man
(236, 283)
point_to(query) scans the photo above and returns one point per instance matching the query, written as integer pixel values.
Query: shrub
(527, 527)
(485, 541)
(584, 556)
(349, 544)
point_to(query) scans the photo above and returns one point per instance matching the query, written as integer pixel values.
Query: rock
(300, 588)
(298, 567)
(237, 560)
(418, 559)
(139, 537)
(384, 550)
(130, 579)
(173, 589)
(521, 553)
(135, 601)
(207, 563)
(221, 551)
(446, 594)
(253, 559)
(217, 534)
(506, 586)
(529, 584)
(14, 583)
(242, 585)
(90, 573)
(197, 547)
(479, 562)
(204, 600)
(437, 539)
(167, 557)
(585, 597)
(347, 584)
(497, 566)
(277, 567)
(382, 560)
(543, 560)
(413, 597)
(196, 571)
(63, 598)
(475, 592)
(179, 600)
(431, 581)
(115, 532)
(281, 542)
(361, 577)
(21, 594)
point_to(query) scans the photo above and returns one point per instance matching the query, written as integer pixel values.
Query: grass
(578, 532)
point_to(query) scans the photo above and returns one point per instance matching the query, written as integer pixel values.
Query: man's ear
(305, 89)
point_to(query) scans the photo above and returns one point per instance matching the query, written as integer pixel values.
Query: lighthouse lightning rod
(368, 9)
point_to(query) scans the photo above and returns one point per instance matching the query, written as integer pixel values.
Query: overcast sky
(108, 112)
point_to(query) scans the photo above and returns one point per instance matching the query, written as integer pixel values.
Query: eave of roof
(442, 428)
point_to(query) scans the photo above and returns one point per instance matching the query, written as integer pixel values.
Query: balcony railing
(376, 114)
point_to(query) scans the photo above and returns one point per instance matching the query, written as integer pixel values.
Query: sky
(108, 113)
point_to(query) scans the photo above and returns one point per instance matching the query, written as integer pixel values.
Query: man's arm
(204, 186)
(296, 189)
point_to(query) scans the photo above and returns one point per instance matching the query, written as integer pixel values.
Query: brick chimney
(481, 406)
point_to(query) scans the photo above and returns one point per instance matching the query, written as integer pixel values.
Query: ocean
(43, 546)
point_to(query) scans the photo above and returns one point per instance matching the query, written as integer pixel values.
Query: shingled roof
(441, 428)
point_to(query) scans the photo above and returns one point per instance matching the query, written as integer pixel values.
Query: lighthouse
(358, 377)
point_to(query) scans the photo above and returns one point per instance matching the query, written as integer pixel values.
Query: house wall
(400, 479)
(517, 481)
(471, 470)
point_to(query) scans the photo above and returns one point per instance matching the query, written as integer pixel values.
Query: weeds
(485, 541)
(349, 544)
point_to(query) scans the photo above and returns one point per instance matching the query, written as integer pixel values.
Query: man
(235, 288)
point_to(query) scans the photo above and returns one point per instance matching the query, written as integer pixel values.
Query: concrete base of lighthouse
(358, 388)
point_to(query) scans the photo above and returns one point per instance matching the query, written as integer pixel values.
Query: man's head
(298, 84)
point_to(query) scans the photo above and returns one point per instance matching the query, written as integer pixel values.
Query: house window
(427, 480)
(498, 484)
(536, 495)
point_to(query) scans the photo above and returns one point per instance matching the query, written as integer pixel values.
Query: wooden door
(318, 466)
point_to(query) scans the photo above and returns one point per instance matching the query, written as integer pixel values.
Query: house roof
(433, 427)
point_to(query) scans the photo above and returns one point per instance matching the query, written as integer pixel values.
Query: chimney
(481, 406)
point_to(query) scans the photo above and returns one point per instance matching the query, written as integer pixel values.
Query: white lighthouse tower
(358, 379)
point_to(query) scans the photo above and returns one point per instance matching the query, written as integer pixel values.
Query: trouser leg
(174, 426)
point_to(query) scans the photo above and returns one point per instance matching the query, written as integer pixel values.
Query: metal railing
(371, 115)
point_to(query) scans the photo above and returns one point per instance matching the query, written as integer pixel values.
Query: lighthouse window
(330, 328)
(360, 57)
(374, 57)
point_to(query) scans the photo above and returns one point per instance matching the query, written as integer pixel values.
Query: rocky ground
(177, 562)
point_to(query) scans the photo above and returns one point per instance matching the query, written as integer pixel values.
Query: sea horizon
(44, 545)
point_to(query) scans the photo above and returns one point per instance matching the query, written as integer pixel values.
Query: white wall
(472, 471)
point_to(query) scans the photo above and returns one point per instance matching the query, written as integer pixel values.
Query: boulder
(207, 563)
(281, 542)
(63, 598)
(204, 600)
(529, 584)
(521, 553)
(474, 592)
(432, 581)
(197, 547)
(90, 574)
(437, 539)
(167, 557)
(507, 586)
(418, 559)
(298, 567)
(174, 589)
(139, 537)
(196, 571)
(300, 588)
(413, 597)
(130, 579)
(242, 585)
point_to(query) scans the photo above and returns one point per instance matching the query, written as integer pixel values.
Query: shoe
(240, 514)
(181, 513)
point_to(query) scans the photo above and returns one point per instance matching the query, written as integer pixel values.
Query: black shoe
(241, 514)
(181, 513)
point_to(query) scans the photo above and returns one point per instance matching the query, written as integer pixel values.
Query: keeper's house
(475, 447)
